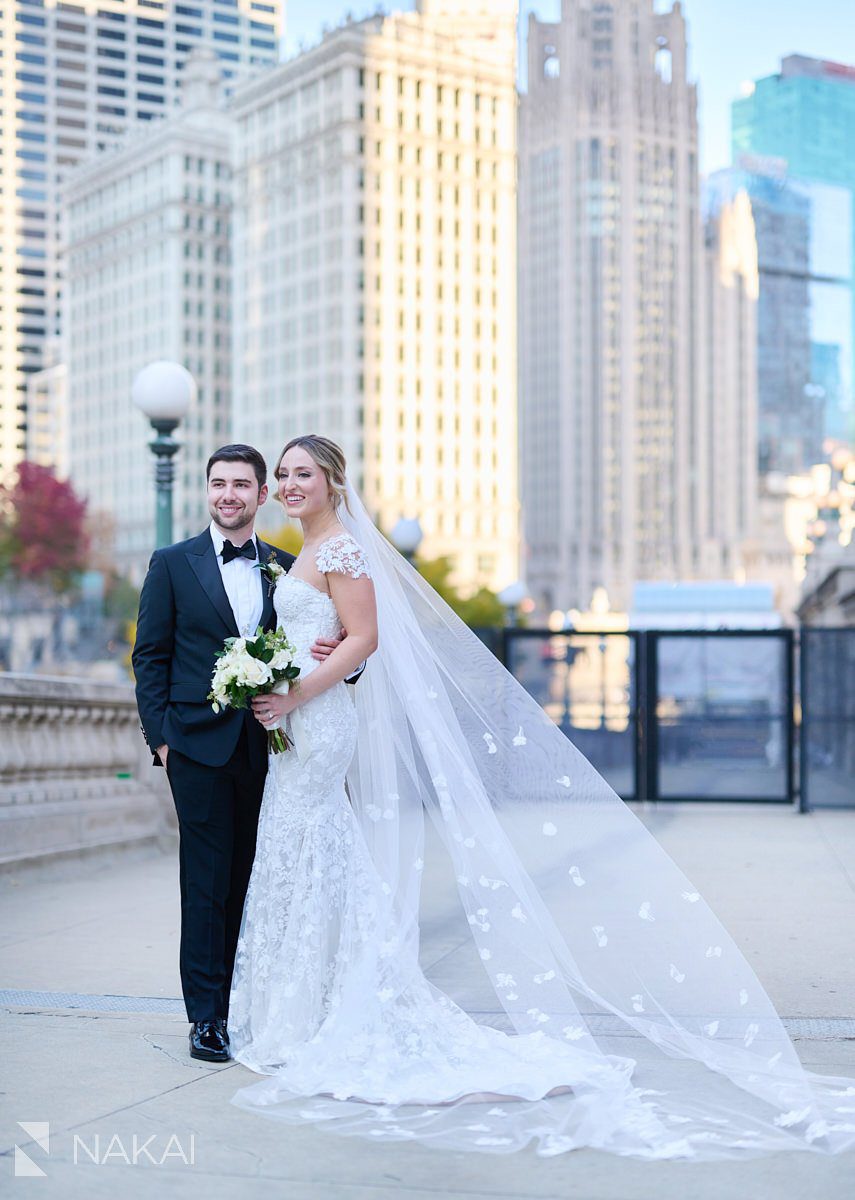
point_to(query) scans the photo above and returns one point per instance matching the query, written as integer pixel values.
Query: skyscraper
(77, 76)
(375, 269)
(727, 442)
(613, 402)
(805, 116)
(148, 276)
(804, 249)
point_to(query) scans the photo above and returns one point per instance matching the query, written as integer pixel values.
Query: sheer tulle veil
(562, 916)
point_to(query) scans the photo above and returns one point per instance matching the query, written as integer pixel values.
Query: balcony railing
(74, 770)
(745, 715)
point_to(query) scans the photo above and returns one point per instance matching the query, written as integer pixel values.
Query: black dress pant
(217, 811)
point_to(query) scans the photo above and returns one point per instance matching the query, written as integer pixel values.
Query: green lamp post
(406, 536)
(164, 391)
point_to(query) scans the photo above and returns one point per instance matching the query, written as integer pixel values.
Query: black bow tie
(247, 550)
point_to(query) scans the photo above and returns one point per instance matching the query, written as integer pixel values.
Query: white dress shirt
(242, 581)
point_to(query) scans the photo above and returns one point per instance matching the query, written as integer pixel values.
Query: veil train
(575, 925)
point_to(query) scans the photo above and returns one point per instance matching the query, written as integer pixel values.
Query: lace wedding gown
(324, 999)
(569, 901)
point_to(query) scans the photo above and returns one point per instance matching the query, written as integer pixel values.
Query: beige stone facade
(618, 416)
(375, 269)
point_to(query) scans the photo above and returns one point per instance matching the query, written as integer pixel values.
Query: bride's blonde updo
(329, 457)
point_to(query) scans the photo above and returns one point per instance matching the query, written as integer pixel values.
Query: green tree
(121, 598)
(480, 610)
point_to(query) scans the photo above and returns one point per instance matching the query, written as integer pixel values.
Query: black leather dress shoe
(209, 1040)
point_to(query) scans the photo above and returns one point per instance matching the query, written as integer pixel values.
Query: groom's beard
(236, 522)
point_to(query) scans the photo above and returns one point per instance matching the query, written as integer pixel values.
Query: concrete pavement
(95, 1042)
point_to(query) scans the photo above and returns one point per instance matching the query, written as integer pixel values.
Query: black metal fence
(701, 715)
(827, 686)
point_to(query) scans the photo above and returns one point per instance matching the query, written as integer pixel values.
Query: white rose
(238, 660)
(255, 672)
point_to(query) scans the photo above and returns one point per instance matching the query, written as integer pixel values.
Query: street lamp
(164, 391)
(510, 598)
(407, 537)
(603, 647)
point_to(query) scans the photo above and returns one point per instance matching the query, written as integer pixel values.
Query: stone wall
(75, 773)
(828, 593)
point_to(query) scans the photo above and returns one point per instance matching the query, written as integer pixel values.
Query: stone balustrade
(75, 773)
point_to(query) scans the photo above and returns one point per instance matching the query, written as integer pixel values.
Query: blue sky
(730, 41)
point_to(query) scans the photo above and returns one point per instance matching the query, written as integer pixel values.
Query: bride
(576, 931)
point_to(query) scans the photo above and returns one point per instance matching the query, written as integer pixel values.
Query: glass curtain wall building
(805, 115)
(804, 316)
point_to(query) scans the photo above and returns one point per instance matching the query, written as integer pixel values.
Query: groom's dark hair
(240, 453)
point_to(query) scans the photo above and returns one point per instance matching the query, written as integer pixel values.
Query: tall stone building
(77, 75)
(375, 269)
(148, 277)
(613, 401)
(726, 462)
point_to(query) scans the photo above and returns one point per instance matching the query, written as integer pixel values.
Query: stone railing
(75, 773)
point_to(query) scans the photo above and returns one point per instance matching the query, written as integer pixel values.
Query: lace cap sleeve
(344, 555)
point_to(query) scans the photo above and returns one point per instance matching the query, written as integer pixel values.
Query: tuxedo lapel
(265, 585)
(264, 552)
(203, 562)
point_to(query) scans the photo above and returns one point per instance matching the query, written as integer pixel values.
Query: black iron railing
(701, 715)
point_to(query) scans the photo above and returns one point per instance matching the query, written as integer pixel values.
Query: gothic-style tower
(611, 266)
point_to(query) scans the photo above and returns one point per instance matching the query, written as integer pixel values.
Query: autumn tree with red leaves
(43, 537)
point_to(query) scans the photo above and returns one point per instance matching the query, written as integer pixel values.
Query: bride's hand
(269, 709)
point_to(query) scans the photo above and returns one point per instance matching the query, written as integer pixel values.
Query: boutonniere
(271, 570)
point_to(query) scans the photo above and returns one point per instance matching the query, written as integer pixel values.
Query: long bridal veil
(574, 924)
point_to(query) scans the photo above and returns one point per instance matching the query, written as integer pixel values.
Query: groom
(195, 595)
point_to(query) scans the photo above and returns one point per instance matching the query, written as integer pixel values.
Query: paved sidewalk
(95, 1042)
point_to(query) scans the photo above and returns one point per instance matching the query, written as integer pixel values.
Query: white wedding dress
(571, 915)
(325, 999)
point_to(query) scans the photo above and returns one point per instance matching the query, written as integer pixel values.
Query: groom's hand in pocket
(324, 647)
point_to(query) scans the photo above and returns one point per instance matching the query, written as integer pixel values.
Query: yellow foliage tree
(287, 538)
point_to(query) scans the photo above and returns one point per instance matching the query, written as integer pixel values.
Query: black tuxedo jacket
(184, 618)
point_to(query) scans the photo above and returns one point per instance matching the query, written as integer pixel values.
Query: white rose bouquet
(249, 667)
